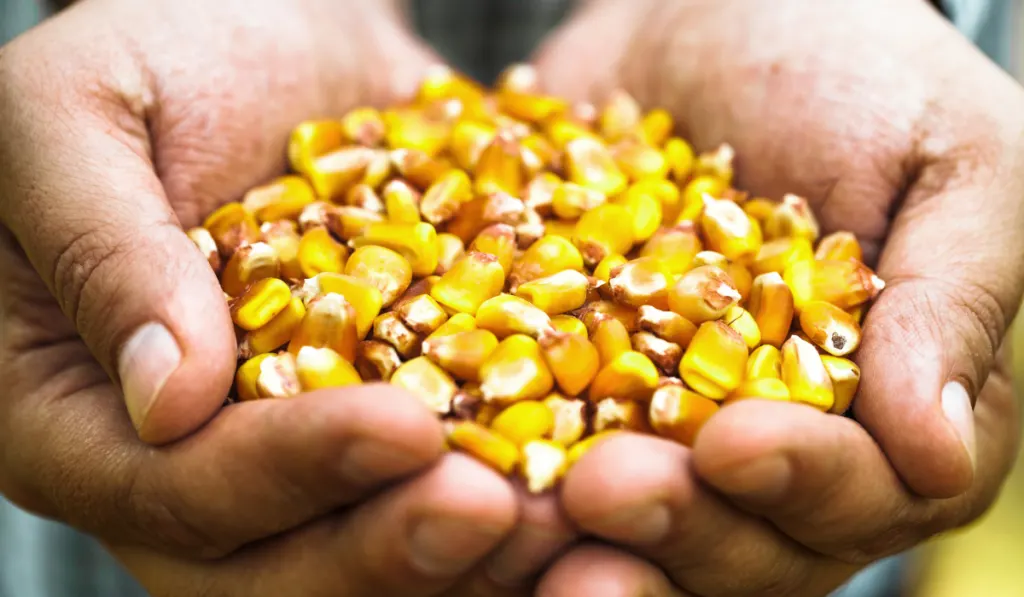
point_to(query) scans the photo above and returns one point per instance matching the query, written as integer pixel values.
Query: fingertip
(601, 571)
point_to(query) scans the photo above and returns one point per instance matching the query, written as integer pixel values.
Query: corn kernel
(382, 268)
(275, 333)
(839, 246)
(365, 197)
(678, 414)
(792, 217)
(543, 464)
(845, 284)
(418, 168)
(589, 163)
(260, 303)
(625, 314)
(743, 322)
(558, 293)
(365, 298)
(833, 330)
(346, 222)
(245, 378)
(715, 361)
(278, 377)
(312, 139)
(603, 271)
(207, 246)
(248, 265)
(506, 315)
(771, 304)
(629, 376)
(572, 359)
(603, 231)
(319, 252)
(445, 197)
(330, 322)
(498, 240)
(579, 449)
(569, 325)
(548, 256)
(656, 126)
(416, 242)
(680, 158)
(500, 166)
(760, 209)
(764, 388)
(524, 422)
(742, 279)
(569, 420)
(640, 161)
(401, 202)
(804, 374)
(676, 247)
(466, 405)
(518, 77)
(449, 250)
(729, 230)
(666, 325)
(694, 193)
(765, 362)
(489, 447)
(776, 255)
(377, 360)
(620, 115)
(469, 139)
(282, 199)
(569, 200)
(333, 174)
(463, 353)
(643, 281)
(703, 294)
(421, 314)
(460, 322)
(363, 126)
(611, 414)
(515, 371)
(717, 163)
(389, 327)
(710, 258)
(610, 337)
(431, 384)
(472, 281)
(845, 376)
(319, 368)
(413, 129)
(666, 355)
(562, 131)
(283, 237)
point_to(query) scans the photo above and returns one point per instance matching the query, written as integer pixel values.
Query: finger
(83, 200)
(257, 469)
(602, 571)
(823, 481)
(414, 540)
(640, 492)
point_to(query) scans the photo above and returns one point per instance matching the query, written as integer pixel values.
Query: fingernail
(643, 525)
(369, 461)
(445, 547)
(956, 405)
(147, 360)
(764, 479)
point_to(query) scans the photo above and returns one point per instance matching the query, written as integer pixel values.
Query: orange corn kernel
(474, 279)
(498, 240)
(377, 360)
(743, 322)
(741, 278)
(506, 315)
(276, 332)
(760, 209)
(232, 226)
(845, 284)
(421, 314)
(283, 236)
(384, 269)
(666, 355)
(544, 463)
(610, 337)
(602, 231)
(489, 447)
(248, 265)
(569, 417)
(558, 293)
(500, 166)
(319, 252)
(363, 126)
(771, 304)
(278, 377)
(833, 330)
(319, 368)
(703, 294)
(428, 382)
(416, 242)
(530, 106)
(845, 376)
(443, 199)
(282, 199)
(449, 250)
(572, 359)
(389, 327)
(715, 361)
(207, 246)
(364, 297)
(625, 314)
(463, 353)
(776, 255)
(839, 246)
(678, 414)
(764, 388)
(548, 256)
(792, 217)
(569, 200)
(764, 362)
(666, 325)
(312, 139)
(245, 378)
(260, 303)
(729, 230)
(344, 221)
(676, 247)
(611, 414)
(643, 281)
(330, 322)
(515, 371)
(524, 422)
(804, 374)
(589, 163)
(460, 322)
(629, 376)
(334, 173)
(469, 139)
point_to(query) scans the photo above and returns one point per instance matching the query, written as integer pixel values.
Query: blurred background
(985, 560)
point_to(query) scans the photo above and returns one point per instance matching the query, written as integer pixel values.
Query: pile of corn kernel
(541, 274)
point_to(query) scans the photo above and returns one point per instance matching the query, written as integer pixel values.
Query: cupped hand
(896, 128)
(123, 123)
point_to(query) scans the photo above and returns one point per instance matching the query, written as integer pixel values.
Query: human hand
(123, 122)
(896, 128)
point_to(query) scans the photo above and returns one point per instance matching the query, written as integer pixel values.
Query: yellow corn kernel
(364, 297)
(524, 422)
(678, 414)
(469, 139)
(579, 449)
(530, 106)
(629, 376)
(441, 82)
(764, 388)
(792, 217)
(845, 284)
(676, 247)
(377, 360)
(743, 322)
(640, 161)
(544, 463)
(428, 382)
(715, 361)
(413, 129)
(804, 374)
(602, 231)
(776, 255)
(260, 303)
(378, 267)
(500, 166)
(539, 192)
(703, 294)
(330, 322)
(277, 377)
(249, 264)
(742, 279)
(569, 200)
(334, 173)
(572, 359)
(317, 214)
(485, 445)
(418, 168)
(460, 322)
(378, 170)
(693, 196)
(538, 154)
(421, 314)
(506, 315)
(498, 240)
(620, 116)
(729, 230)
(389, 327)
(416, 242)
(666, 355)
(282, 199)
(569, 420)
(857, 313)
(589, 163)
(346, 222)
(610, 337)
(845, 376)
(365, 197)
(710, 258)
(759, 209)
(611, 414)
(319, 368)
(206, 245)
(839, 246)
(656, 126)
(666, 325)
(764, 362)
(717, 163)
(363, 126)
(474, 279)
(515, 371)
(562, 131)
(771, 304)
(569, 325)
(680, 158)
(645, 211)
(282, 235)
(833, 330)
(667, 194)
(466, 405)
(275, 333)
(319, 252)
(449, 250)
(603, 271)
(445, 197)
(558, 293)
(518, 77)
(312, 139)
(245, 377)
(401, 202)
(485, 413)
(643, 281)
(463, 353)
(549, 255)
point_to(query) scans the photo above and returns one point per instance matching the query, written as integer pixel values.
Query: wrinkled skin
(896, 128)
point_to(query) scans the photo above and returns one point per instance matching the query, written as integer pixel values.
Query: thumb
(84, 202)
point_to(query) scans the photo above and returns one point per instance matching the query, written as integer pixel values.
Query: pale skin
(124, 122)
